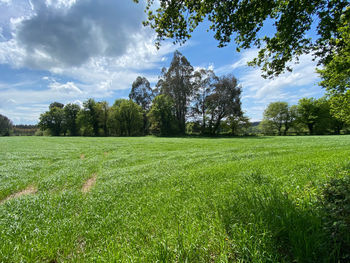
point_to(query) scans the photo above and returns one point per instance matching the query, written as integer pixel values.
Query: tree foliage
(56, 104)
(130, 118)
(280, 116)
(224, 102)
(175, 82)
(141, 93)
(5, 126)
(89, 118)
(52, 120)
(162, 116)
(126, 118)
(102, 109)
(203, 85)
(340, 106)
(313, 115)
(308, 113)
(238, 124)
(242, 21)
(336, 74)
(71, 112)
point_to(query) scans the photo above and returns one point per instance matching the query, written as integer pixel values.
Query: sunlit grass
(167, 199)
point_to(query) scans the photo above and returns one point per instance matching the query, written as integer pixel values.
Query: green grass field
(166, 199)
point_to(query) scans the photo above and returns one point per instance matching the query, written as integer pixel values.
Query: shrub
(39, 133)
(335, 201)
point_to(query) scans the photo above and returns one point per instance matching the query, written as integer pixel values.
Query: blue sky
(71, 50)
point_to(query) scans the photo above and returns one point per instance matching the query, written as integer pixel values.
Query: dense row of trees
(314, 115)
(181, 96)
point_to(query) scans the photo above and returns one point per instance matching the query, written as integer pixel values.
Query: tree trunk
(311, 128)
(216, 127)
(203, 124)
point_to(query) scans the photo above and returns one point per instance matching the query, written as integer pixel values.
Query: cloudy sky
(71, 50)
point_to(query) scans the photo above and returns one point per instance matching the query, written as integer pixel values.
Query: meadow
(151, 199)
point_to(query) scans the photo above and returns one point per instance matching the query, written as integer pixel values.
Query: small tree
(238, 124)
(266, 127)
(280, 116)
(276, 113)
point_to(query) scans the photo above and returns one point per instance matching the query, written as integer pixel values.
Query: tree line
(314, 116)
(183, 99)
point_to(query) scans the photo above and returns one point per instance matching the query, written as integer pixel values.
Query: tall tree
(162, 116)
(5, 126)
(203, 86)
(71, 111)
(223, 102)
(243, 21)
(142, 94)
(176, 83)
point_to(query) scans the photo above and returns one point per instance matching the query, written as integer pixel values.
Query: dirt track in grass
(28, 191)
(89, 184)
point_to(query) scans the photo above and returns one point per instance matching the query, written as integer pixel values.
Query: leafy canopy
(336, 74)
(242, 21)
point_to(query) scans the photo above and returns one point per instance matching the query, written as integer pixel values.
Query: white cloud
(258, 92)
(93, 42)
(278, 88)
(68, 87)
(245, 57)
(88, 48)
(6, 2)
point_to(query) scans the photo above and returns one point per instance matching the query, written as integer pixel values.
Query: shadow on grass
(266, 225)
(215, 137)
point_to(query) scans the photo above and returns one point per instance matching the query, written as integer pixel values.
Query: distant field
(153, 199)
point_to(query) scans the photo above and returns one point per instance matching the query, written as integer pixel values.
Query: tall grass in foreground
(175, 200)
